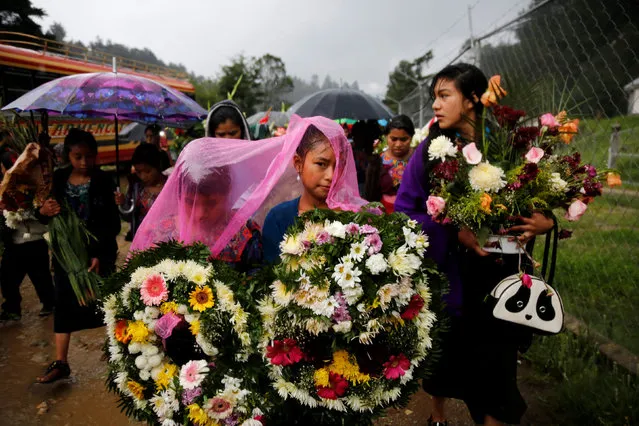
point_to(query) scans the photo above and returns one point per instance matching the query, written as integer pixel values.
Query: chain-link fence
(583, 56)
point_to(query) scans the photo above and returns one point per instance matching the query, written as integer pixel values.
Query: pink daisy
(374, 242)
(396, 366)
(368, 229)
(153, 290)
(352, 228)
(192, 373)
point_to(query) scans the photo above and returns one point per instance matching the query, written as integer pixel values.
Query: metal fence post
(615, 145)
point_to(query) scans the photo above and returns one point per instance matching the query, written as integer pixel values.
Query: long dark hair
(470, 81)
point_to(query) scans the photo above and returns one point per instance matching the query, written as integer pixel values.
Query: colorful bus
(28, 61)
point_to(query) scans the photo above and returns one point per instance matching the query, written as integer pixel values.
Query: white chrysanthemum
(335, 229)
(121, 378)
(154, 360)
(343, 327)
(557, 184)
(311, 231)
(155, 372)
(109, 308)
(357, 251)
(486, 177)
(315, 326)
(386, 294)
(292, 244)
(205, 345)
(149, 350)
(377, 264)
(141, 362)
(145, 375)
(169, 422)
(341, 269)
(115, 354)
(352, 294)
(441, 147)
(412, 224)
(325, 306)
(251, 422)
(284, 388)
(403, 263)
(280, 294)
(366, 338)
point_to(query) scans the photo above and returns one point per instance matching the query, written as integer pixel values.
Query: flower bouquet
(177, 340)
(347, 326)
(514, 170)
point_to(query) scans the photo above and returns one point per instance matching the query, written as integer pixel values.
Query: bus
(28, 61)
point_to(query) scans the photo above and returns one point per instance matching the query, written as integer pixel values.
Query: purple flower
(352, 228)
(323, 238)
(374, 242)
(189, 395)
(368, 229)
(232, 420)
(341, 312)
(375, 210)
(591, 170)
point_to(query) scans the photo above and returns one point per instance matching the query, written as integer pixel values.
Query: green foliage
(401, 81)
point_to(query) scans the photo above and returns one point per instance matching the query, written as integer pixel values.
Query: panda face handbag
(529, 301)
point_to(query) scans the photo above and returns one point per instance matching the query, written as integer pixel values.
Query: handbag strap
(553, 235)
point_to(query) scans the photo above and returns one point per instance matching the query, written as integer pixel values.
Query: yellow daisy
(197, 415)
(167, 307)
(165, 376)
(201, 299)
(138, 331)
(343, 366)
(136, 389)
(321, 377)
(195, 327)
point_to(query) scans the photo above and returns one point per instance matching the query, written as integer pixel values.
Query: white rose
(335, 229)
(557, 184)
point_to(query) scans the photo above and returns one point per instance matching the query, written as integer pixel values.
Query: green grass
(585, 388)
(598, 268)
(594, 139)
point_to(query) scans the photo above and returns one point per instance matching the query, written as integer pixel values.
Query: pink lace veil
(219, 184)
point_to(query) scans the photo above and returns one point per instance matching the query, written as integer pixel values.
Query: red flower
(396, 367)
(526, 280)
(446, 170)
(507, 116)
(524, 136)
(414, 306)
(284, 352)
(564, 234)
(338, 386)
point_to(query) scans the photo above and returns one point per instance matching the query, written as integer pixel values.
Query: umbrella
(280, 119)
(341, 103)
(111, 94)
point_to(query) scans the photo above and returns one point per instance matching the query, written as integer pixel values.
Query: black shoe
(45, 311)
(57, 370)
(433, 423)
(8, 316)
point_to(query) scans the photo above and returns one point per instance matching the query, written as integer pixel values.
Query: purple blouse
(411, 200)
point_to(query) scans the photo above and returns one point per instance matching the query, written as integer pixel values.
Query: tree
(57, 32)
(19, 16)
(329, 83)
(248, 94)
(402, 81)
(207, 91)
(272, 79)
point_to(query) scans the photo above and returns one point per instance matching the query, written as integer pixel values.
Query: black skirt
(479, 353)
(69, 315)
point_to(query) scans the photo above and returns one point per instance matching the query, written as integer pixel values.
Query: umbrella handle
(129, 210)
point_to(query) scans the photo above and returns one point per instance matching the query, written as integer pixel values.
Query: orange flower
(485, 202)
(494, 93)
(613, 179)
(121, 331)
(568, 130)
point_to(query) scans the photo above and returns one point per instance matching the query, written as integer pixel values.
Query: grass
(585, 389)
(598, 268)
(594, 139)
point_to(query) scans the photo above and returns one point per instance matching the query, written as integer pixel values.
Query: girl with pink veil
(221, 189)
(325, 165)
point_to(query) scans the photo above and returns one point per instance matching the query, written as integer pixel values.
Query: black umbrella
(341, 103)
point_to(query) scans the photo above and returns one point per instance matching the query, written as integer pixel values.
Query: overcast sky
(359, 40)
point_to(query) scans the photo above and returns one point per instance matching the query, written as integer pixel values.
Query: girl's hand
(95, 265)
(469, 240)
(119, 198)
(50, 208)
(537, 224)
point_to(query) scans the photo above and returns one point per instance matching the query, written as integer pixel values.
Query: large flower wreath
(347, 326)
(177, 339)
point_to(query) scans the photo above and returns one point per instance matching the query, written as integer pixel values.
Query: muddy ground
(27, 347)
